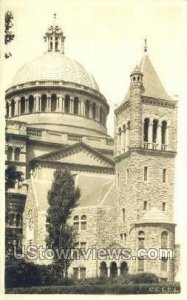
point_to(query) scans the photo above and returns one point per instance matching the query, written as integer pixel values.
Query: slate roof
(151, 82)
(96, 190)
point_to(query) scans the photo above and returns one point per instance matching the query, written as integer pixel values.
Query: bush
(145, 278)
(19, 273)
(153, 288)
(23, 274)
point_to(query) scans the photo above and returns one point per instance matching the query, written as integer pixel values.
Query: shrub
(145, 278)
(19, 273)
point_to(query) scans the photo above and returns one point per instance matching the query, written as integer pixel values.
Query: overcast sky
(107, 37)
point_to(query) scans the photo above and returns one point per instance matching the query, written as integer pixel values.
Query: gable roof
(152, 84)
(68, 155)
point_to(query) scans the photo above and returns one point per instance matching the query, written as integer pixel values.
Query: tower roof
(154, 215)
(152, 85)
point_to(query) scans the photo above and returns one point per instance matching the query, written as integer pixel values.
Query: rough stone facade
(126, 183)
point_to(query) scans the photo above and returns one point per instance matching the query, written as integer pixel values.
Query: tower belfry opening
(54, 37)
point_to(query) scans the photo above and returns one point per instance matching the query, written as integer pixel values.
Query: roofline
(67, 148)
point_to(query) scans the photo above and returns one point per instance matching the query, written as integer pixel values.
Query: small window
(164, 239)
(145, 173)
(123, 214)
(145, 205)
(164, 263)
(164, 206)
(164, 175)
(83, 222)
(118, 179)
(127, 176)
(83, 245)
(82, 273)
(141, 239)
(76, 225)
(17, 154)
(75, 273)
(121, 236)
(83, 225)
(140, 264)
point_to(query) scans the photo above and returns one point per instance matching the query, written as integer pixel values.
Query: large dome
(54, 66)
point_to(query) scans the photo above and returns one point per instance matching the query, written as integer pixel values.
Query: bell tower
(55, 38)
(145, 150)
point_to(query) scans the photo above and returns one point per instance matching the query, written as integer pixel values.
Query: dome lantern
(55, 38)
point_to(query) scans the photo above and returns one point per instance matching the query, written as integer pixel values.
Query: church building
(56, 118)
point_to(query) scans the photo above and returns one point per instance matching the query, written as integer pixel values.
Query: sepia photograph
(93, 110)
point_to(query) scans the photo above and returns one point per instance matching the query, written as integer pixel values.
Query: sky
(107, 37)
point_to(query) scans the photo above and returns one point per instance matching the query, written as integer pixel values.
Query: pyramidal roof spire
(145, 46)
(152, 84)
(55, 37)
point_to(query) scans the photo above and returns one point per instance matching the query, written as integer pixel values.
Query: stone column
(158, 140)
(118, 142)
(150, 135)
(71, 105)
(118, 271)
(108, 272)
(127, 136)
(48, 103)
(60, 103)
(26, 105)
(63, 104)
(36, 101)
(16, 106)
(82, 107)
(167, 137)
(9, 109)
(90, 111)
(122, 140)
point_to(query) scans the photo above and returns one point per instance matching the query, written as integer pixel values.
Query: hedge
(153, 288)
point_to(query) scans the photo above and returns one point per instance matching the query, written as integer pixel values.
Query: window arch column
(159, 137)
(36, 103)
(60, 99)
(26, 105)
(71, 105)
(48, 103)
(119, 141)
(150, 134)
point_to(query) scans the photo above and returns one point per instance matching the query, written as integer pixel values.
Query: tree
(11, 176)
(9, 35)
(62, 198)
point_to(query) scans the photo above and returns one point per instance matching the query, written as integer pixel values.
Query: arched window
(7, 110)
(164, 239)
(124, 268)
(56, 44)
(113, 269)
(43, 103)
(103, 269)
(141, 239)
(163, 132)
(94, 111)
(53, 102)
(11, 219)
(17, 154)
(76, 106)
(87, 109)
(146, 130)
(31, 104)
(155, 129)
(83, 222)
(76, 222)
(9, 153)
(22, 105)
(67, 104)
(18, 220)
(101, 115)
(12, 108)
